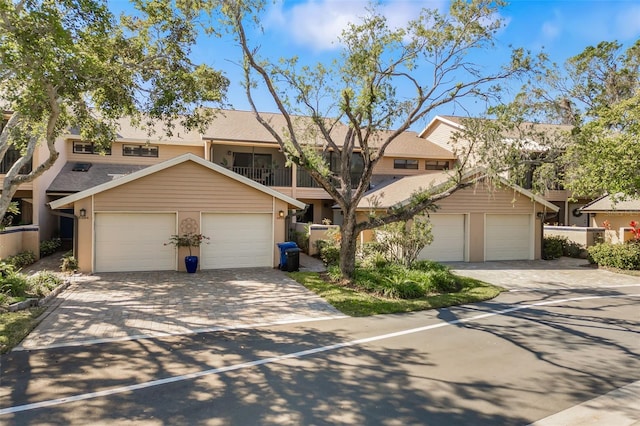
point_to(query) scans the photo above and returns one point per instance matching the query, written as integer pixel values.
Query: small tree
(402, 242)
(358, 105)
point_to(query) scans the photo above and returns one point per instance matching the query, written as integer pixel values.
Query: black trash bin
(293, 259)
(283, 255)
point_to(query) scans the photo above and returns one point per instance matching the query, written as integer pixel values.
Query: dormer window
(139, 151)
(82, 147)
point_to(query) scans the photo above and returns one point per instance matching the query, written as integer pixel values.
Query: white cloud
(550, 30)
(319, 23)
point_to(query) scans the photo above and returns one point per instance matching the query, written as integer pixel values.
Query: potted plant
(188, 240)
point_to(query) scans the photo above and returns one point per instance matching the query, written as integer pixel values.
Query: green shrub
(444, 282)
(621, 256)
(429, 265)
(49, 247)
(41, 284)
(555, 246)
(22, 259)
(552, 247)
(329, 253)
(69, 262)
(14, 285)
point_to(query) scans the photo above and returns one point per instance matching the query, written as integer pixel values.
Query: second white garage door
(237, 240)
(134, 242)
(508, 237)
(448, 238)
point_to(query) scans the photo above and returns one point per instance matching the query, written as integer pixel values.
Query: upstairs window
(436, 165)
(139, 151)
(405, 164)
(80, 147)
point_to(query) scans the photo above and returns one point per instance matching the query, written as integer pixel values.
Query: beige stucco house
(614, 214)
(232, 183)
(482, 222)
(124, 224)
(441, 129)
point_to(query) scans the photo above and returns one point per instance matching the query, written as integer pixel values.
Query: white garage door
(508, 237)
(448, 238)
(134, 242)
(237, 240)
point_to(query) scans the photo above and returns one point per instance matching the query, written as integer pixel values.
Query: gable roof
(458, 123)
(399, 192)
(165, 165)
(607, 203)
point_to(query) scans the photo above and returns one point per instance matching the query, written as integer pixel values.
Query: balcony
(265, 176)
(304, 180)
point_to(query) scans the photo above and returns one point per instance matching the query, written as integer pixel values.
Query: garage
(448, 232)
(134, 242)
(238, 240)
(508, 237)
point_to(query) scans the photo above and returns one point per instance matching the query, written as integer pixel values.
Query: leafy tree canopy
(71, 64)
(596, 95)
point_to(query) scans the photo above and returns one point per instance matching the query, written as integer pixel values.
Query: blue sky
(309, 29)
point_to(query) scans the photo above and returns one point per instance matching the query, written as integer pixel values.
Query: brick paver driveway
(121, 306)
(564, 273)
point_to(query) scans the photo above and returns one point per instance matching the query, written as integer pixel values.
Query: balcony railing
(283, 177)
(306, 181)
(268, 177)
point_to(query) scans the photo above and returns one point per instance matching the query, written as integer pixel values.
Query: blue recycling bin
(283, 252)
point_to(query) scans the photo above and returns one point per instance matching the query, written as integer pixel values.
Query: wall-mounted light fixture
(229, 153)
(281, 214)
(83, 213)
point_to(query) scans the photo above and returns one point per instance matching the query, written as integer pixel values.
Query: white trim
(165, 165)
(442, 120)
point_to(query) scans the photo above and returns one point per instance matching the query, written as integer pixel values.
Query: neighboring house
(441, 129)
(479, 223)
(615, 215)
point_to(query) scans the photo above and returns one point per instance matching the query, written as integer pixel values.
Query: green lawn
(358, 304)
(14, 326)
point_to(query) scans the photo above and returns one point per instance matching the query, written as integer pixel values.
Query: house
(482, 222)
(441, 129)
(119, 207)
(123, 224)
(614, 213)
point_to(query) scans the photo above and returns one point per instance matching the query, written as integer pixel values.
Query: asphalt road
(511, 361)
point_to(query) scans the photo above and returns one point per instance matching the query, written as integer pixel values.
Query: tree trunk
(348, 243)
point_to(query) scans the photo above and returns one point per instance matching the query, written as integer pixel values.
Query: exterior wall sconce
(83, 213)
(281, 214)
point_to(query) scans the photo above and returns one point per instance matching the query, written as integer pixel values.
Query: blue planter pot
(191, 263)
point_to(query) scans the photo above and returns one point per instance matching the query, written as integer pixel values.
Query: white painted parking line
(300, 354)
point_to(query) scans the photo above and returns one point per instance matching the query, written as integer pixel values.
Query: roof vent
(81, 167)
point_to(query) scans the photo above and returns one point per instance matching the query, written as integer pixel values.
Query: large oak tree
(385, 80)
